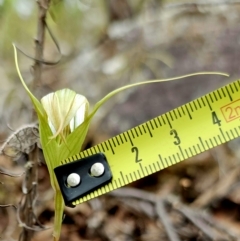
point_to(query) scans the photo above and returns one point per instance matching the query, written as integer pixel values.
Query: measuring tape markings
(170, 138)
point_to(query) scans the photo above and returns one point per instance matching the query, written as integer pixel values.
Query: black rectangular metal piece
(88, 183)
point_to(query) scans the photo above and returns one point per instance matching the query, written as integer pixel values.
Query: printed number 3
(175, 135)
(135, 149)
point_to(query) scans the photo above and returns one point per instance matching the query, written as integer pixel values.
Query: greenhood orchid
(64, 120)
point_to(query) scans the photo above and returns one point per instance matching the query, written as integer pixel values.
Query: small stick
(8, 205)
(152, 198)
(172, 235)
(218, 190)
(200, 4)
(43, 6)
(4, 172)
(26, 216)
(209, 233)
(30, 190)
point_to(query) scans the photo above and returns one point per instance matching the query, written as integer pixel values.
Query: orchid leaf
(77, 137)
(36, 103)
(108, 96)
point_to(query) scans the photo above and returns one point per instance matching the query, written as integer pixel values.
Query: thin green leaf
(104, 99)
(76, 138)
(50, 147)
(36, 103)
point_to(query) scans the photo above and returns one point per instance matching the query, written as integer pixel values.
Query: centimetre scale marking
(170, 138)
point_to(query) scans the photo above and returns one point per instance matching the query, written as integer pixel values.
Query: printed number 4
(215, 119)
(135, 149)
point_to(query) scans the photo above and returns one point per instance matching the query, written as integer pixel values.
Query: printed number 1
(135, 149)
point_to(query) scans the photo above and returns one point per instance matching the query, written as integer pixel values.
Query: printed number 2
(135, 149)
(175, 135)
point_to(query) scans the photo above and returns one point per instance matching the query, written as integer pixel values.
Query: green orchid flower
(64, 120)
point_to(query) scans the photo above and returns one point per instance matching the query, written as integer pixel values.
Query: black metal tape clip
(88, 182)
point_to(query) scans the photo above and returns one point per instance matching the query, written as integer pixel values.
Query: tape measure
(169, 138)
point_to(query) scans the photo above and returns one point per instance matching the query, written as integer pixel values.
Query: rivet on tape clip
(82, 176)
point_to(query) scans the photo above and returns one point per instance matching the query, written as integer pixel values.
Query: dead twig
(208, 219)
(4, 172)
(162, 214)
(217, 190)
(200, 4)
(193, 215)
(43, 6)
(42, 61)
(26, 216)
(8, 205)
(208, 232)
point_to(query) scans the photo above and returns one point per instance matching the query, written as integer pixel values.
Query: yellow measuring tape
(170, 138)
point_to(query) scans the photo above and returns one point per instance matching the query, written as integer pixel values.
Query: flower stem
(59, 207)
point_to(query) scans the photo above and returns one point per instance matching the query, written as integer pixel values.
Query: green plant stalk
(59, 208)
